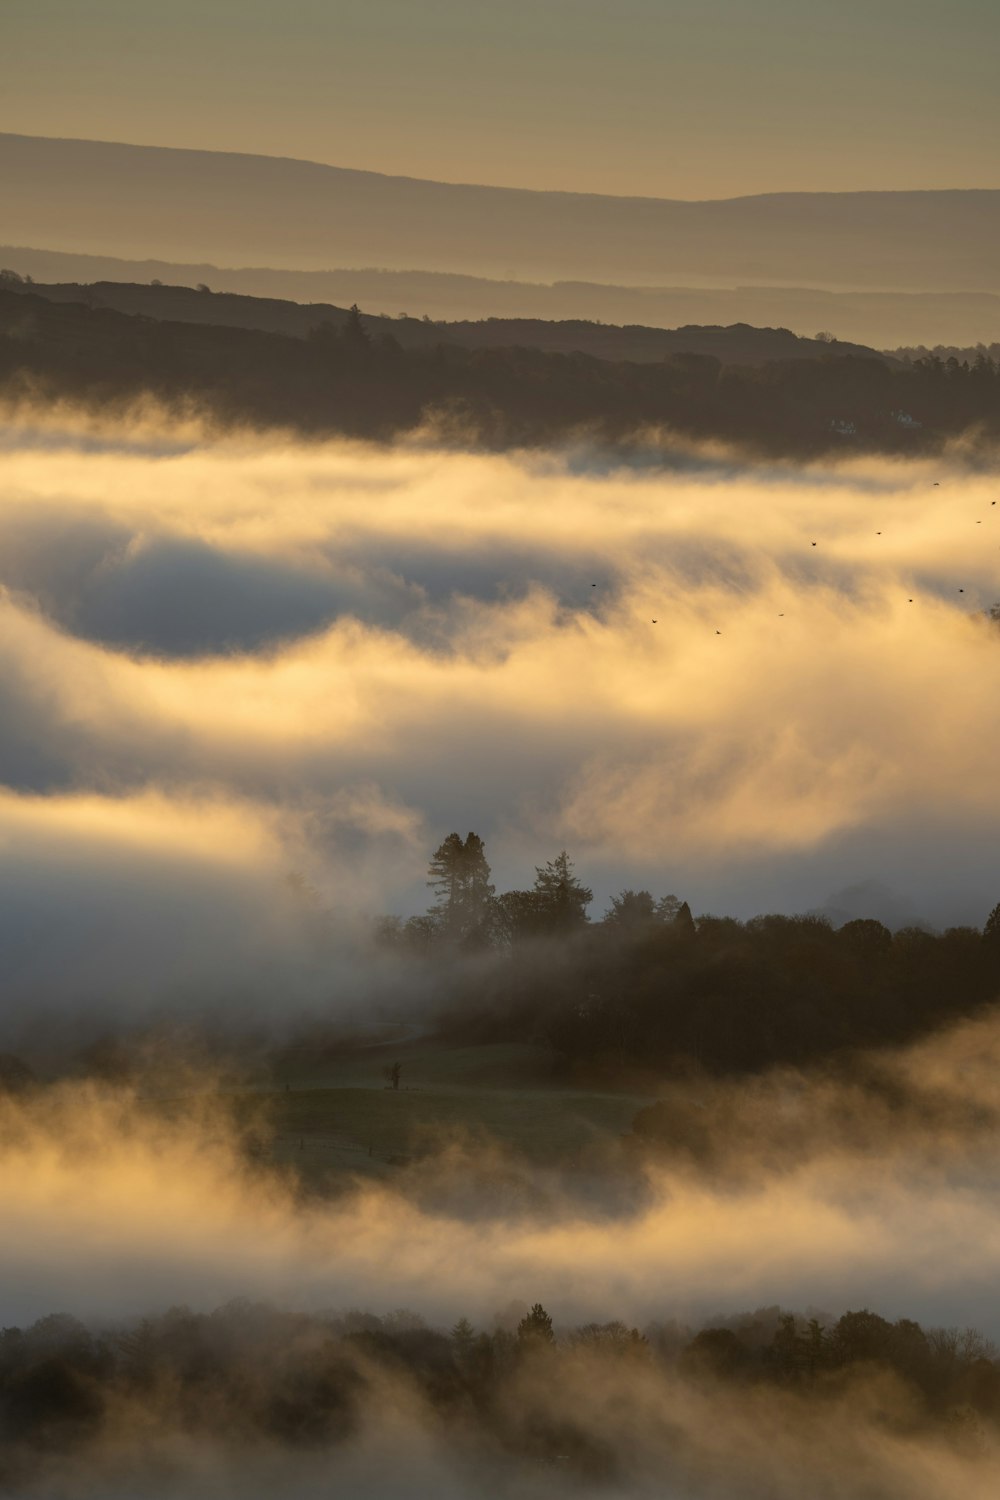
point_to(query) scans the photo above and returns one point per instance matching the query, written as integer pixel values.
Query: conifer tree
(460, 878)
(535, 1329)
(562, 900)
(355, 334)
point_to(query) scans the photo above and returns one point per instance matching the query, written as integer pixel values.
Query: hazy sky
(675, 98)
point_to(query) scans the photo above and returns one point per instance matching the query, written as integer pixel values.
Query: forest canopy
(250, 1373)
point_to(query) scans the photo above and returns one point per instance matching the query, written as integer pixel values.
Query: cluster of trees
(740, 996)
(949, 1367)
(345, 381)
(650, 985)
(469, 915)
(249, 1373)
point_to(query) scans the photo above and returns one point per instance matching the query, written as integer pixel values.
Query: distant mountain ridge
(736, 344)
(136, 201)
(882, 320)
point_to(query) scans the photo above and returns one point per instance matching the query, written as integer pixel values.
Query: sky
(666, 98)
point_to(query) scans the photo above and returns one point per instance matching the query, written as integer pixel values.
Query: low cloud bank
(293, 1356)
(224, 660)
(802, 1190)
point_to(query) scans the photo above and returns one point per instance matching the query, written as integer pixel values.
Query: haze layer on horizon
(661, 98)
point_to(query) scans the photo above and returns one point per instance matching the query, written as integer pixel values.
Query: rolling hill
(883, 320)
(737, 344)
(140, 201)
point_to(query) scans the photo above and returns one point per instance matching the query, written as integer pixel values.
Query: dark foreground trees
(250, 1375)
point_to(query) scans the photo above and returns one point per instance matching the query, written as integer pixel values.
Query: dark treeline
(734, 344)
(342, 381)
(651, 986)
(252, 1374)
(965, 355)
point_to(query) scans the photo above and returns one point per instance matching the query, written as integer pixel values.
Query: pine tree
(562, 899)
(460, 878)
(445, 872)
(535, 1329)
(684, 921)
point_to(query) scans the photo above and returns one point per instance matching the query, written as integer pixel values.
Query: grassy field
(335, 1114)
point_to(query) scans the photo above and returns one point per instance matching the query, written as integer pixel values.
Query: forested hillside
(737, 344)
(345, 381)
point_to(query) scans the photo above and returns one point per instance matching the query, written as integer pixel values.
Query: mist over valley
(499, 697)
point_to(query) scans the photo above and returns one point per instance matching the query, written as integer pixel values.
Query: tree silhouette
(991, 932)
(868, 938)
(355, 334)
(667, 907)
(630, 910)
(517, 917)
(535, 1329)
(683, 920)
(562, 900)
(460, 878)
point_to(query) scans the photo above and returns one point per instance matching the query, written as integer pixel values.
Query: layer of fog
(809, 1191)
(222, 661)
(116, 1207)
(631, 1430)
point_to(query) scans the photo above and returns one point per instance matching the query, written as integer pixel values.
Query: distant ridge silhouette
(737, 343)
(883, 320)
(137, 201)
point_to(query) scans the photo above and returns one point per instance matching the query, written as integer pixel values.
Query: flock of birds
(781, 616)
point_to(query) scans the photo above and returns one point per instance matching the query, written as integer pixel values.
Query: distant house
(904, 419)
(843, 428)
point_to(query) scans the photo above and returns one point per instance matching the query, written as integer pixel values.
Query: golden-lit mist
(770, 659)
(159, 1203)
(228, 661)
